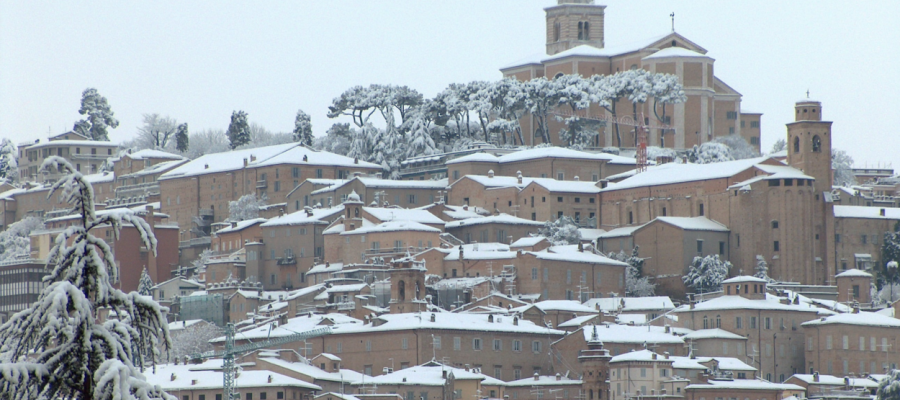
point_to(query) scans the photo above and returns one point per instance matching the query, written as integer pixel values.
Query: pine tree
(145, 284)
(99, 116)
(57, 348)
(9, 163)
(762, 268)
(705, 274)
(779, 145)
(563, 231)
(303, 129)
(182, 140)
(889, 387)
(238, 130)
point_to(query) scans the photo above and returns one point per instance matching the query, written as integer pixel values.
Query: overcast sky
(198, 61)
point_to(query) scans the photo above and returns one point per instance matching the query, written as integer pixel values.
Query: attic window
(674, 44)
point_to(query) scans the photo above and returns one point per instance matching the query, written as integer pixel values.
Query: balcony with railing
(262, 184)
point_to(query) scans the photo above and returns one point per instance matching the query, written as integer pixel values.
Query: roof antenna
(673, 21)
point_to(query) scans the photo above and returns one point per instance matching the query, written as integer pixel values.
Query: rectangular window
(262, 396)
(559, 199)
(517, 345)
(737, 323)
(775, 246)
(476, 344)
(457, 343)
(536, 346)
(436, 341)
(368, 345)
(722, 248)
(412, 199)
(754, 124)
(768, 322)
(534, 274)
(828, 342)
(546, 274)
(498, 345)
(731, 115)
(699, 245)
(862, 344)
(404, 343)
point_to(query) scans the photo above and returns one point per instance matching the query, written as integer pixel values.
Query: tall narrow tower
(573, 23)
(595, 368)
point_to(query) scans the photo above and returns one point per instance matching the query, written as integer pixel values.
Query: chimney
(490, 317)
(280, 212)
(252, 158)
(882, 212)
(856, 307)
(577, 178)
(516, 320)
(205, 166)
(356, 160)
(536, 376)
(270, 378)
(234, 224)
(815, 376)
(433, 317)
(245, 163)
(558, 377)
(652, 356)
(444, 374)
(519, 176)
(666, 355)
(172, 377)
(491, 174)
(668, 330)
(580, 247)
(194, 382)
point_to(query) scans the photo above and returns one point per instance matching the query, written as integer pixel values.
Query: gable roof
(694, 223)
(673, 173)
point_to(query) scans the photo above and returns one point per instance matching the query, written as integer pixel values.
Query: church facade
(576, 45)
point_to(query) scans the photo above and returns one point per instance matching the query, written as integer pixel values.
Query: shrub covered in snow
(842, 164)
(762, 268)
(705, 274)
(561, 232)
(9, 163)
(779, 145)
(889, 387)
(244, 208)
(15, 241)
(738, 146)
(57, 348)
(710, 152)
(636, 285)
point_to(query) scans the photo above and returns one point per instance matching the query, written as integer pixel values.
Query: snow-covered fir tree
(182, 138)
(145, 284)
(710, 152)
(563, 231)
(762, 268)
(99, 116)
(15, 241)
(336, 139)
(303, 129)
(889, 386)
(842, 165)
(636, 285)
(244, 208)
(9, 163)
(705, 274)
(58, 348)
(419, 140)
(779, 145)
(238, 130)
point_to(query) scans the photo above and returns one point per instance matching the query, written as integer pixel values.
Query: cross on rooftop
(673, 21)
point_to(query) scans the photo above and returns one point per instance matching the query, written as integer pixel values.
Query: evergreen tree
(303, 129)
(9, 163)
(705, 274)
(762, 268)
(57, 348)
(563, 231)
(779, 145)
(636, 285)
(238, 130)
(145, 284)
(182, 140)
(889, 387)
(890, 252)
(99, 116)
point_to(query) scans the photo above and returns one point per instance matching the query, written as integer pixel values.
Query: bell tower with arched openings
(407, 285)
(809, 143)
(573, 23)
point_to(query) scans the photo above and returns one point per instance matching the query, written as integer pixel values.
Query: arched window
(816, 144)
(796, 144)
(705, 322)
(401, 291)
(356, 211)
(718, 321)
(587, 30)
(558, 75)
(580, 30)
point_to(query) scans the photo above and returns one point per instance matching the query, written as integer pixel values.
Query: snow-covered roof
(351, 288)
(854, 273)
(392, 226)
(725, 363)
(345, 375)
(553, 185)
(493, 219)
(590, 233)
(496, 181)
(866, 212)
(694, 223)
(541, 152)
(290, 153)
(470, 254)
(640, 355)
(672, 173)
(559, 305)
(474, 157)
(544, 380)
(669, 52)
(737, 302)
(239, 226)
(620, 232)
(179, 325)
(571, 254)
(430, 374)
(714, 333)
(528, 241)
(100, 177)
(577, 321)
(631, 334)
(150, 153)
(459, 212)
(208, 375)
(632, 304)
(405, 214)
(156, 168)
(376, 183)
(301, 218)
(745, 279)
(861, 318)
(323, 268)
(742, 384)
(85, 143)
(831, 380)
(531, 59)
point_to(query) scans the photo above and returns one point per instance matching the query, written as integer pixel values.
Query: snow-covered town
(599, 221)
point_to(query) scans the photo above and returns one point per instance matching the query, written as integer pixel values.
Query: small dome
(353, 196)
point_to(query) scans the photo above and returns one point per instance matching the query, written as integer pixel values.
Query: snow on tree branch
(705, 274)
(57, 348)
(246, 207)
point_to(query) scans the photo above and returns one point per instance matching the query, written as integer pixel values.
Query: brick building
(86, 155)
(853, 343)
(576, 45)
(545, 162)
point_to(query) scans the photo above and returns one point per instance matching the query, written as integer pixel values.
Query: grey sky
(197, 61)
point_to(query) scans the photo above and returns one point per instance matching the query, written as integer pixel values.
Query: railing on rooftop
(195, 242)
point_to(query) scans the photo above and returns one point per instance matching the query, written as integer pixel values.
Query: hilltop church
(576, 44)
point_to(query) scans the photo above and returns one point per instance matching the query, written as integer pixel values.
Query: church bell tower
(572, 23)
